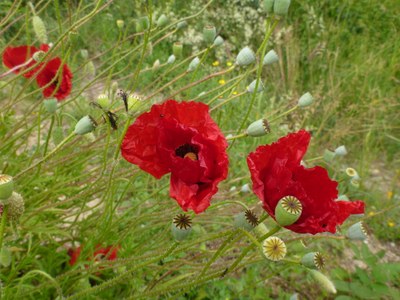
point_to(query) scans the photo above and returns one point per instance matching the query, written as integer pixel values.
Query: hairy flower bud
(209, 34)
(245, 57)
(40, 29)
(85, 125)
(16, 206)
(270, 58)
(258, 128)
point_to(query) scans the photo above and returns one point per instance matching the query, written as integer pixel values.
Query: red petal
(15, 56)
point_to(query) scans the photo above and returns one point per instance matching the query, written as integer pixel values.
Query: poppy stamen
(187, 151)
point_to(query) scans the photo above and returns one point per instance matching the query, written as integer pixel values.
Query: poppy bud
(85, 125)
(84, 53)
(306, 100)
(177, 49)
(181, 25)
(270, 58)
(341, 151)
(258, 128)
(133, 102)
(171, 59)
(252, 86)
(357, 232)
(281, 7)
(343, 198)
(50, 105)
(103, 100)
(245, 188)
(37, 56)
(313, 260)
(245, 57)
(156, 64)
(144, 22)
(268, 5)
(328, 155)
(193, 64)
(324, 281)
(218, 41)
(209, 34)
(294, 296)
(40, 29)
(246, 220)
(120, 24)
(162, 20)
(6, 186)
(16, 206)
(181, 227)
(5, 257)
(58, 135)
(288, 210)
(274, 248)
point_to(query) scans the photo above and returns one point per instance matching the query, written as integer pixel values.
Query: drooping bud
(209, 34)
(84, 53)
(306, 100)
(193, 64)
(177, 49)
(258, 128)
(324, 281)
(245, 57)
(246, 220)
(103, 100)
(281, 7)
(181, 25)
(218, 41)
(156, 64)
(5, 257)
(171, 59)
(274, 248)
(16, 206)
(134, 102)
(50, 105)
(252, 86)
(288, 210)
(313, 260)
(90, 69)
(6, 186)
(357, 232)
(85, 125)
(341, 151)
(120, 24)
(328, 155)
(270, 58)
(245, 188)
(38, 56)
(162, 20)
(181, 227)
(40, 29)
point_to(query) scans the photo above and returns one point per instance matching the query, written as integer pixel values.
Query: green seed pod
(51, 105)
(16, 206)
(268, 5)
(120, 24)
(40, 29)
(177, 49)
(270, 58)
(328, 155)
(246, 220)
(323, 281)
(306, 100)
(171, 59)
(6, 186)
(58, 135)
(357, 232)
(218, 41)
(5, 257)
(134, 102)
(38, 56)
(85, 125)
(288, 210)
(313, 260)
(274, 248)
(281, 7)
(341, 151)
(103, 100)
(209, 34)
(180, 234)
(245, 57)
(252, 86)
(181, 25)
(343, 198)
(193, 64)
(181, 227)
(258, 128)
(162, 20)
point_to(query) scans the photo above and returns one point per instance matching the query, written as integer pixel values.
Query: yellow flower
(221, 81)
(229, 63)
(215, 63)
(391, 224)
(235, 92)
(389, 195)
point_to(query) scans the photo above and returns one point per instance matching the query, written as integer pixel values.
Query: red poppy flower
(181, 139)
(55, 84)
(108, 253)
(15, 56)
(276, 172)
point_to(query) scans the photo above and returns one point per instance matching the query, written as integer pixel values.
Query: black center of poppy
(188, 151)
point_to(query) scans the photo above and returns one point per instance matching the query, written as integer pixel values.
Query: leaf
(5, 257)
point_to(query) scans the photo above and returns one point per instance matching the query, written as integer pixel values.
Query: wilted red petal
(15, 56)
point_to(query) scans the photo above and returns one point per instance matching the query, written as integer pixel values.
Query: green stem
(284, 114)
(244, 134)
(3, 225)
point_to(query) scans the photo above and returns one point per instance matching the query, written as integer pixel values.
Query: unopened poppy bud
(16, 206)
(38, 56)
(306, 100)
(313, 260)
(134, 102)
(288, 210)
(156, 64)
(50, 105)
(268, 5)
(294, 296)
(245, 57)
(252, 86)
(103, 100)
(274, 248)
(40, 29)
(181, 25)
(84, 53)
(120, 24)
(209, 34)
(245, 188)
(144, 22)
(193, 64)
(328, 155)
(270, 58)
(181, 227)
(351, 172)
(218, 41)
(162, 20)
(85, 125)
(323, 281)
(357, 232)
(281, 7)
(177, 49)
(5, 257)
(258, 128)
(6, 186)
(171, 59)
(341, 151)
(246, 220)
(343, 198)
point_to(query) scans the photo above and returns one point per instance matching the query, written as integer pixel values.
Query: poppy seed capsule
(16, 206)
(209, 34)
(306, 100)
(193, 64)
(281, 7)
(177, 49)
(6, 186)
(180, 234)
(268, 5)
(274, 248)
(351, 172)
(324, 281)
(258, 128)
(245, 57)
(181, 25)
(171, 59)
(85, 125)
(240, 221)
(50, 105)
(218, 41)
(252, 86)
(40, 29)
(162, 20)
(270, 58)
(313, 260)
(288, 210)
(357, 232)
